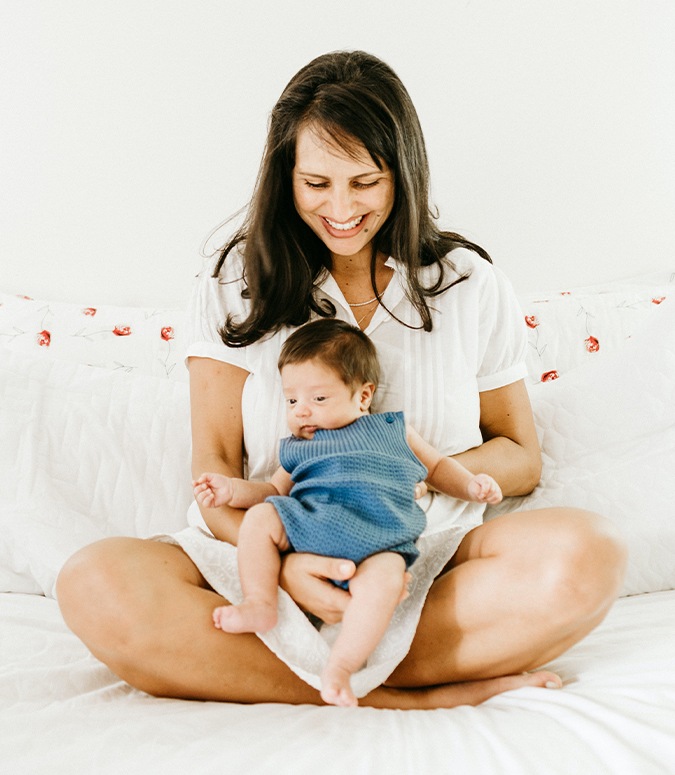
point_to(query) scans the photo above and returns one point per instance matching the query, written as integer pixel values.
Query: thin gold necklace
(363, 317)
(362, 303)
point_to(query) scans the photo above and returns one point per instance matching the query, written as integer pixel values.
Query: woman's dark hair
(340, 346)
(354, 99)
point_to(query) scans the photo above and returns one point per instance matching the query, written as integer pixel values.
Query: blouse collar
(392, 295)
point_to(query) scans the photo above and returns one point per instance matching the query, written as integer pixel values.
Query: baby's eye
(319, 399)
(291, 401)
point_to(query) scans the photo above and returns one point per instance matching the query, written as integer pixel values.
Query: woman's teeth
(345, 226)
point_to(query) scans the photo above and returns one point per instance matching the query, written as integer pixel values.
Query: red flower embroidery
(592, 344)
(549, 376)
(122, 330)
(44, 338)
(27, 298)
(658, 299)
(91, 311)
(532, 321)
(167, 333)
(565, 293)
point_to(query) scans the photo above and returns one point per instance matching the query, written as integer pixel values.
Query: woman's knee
(77, 580)
(89, 590)
(583, 565)
(111, 592)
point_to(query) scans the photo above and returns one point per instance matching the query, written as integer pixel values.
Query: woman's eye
(309, 184)
(359, 185)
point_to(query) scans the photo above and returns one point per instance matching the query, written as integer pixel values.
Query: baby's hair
(336, 344)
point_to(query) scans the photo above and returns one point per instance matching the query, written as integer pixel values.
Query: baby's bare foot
(336, 688)
(250, 616)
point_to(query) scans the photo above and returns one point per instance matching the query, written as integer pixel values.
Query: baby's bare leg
(261, 539)
(376, 590)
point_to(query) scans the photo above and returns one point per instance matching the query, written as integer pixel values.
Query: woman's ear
(367, 391)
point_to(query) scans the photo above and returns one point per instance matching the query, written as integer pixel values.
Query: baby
(346, 488)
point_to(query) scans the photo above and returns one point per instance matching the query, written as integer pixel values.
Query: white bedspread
(61, 711)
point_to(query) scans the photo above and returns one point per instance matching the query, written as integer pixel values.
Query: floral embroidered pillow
(131, 339)
(568, 329)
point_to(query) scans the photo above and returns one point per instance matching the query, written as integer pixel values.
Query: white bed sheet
(61, 711)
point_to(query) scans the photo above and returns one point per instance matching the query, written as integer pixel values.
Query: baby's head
(329, 372)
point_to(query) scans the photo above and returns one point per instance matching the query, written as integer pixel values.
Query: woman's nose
(342, 206)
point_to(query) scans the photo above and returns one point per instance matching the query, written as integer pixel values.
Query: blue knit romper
(353, 491)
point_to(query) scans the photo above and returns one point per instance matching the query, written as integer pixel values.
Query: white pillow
(84, 453)
(566, 330)
(142, 340)
(607, 431)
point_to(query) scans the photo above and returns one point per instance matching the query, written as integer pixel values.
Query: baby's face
(316, 398)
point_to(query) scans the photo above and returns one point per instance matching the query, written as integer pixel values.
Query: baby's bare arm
(450, 476)
(213, 490)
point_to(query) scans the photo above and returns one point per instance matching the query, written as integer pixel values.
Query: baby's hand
(484, 489)
(213, 490)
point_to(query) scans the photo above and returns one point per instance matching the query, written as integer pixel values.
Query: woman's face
(343, 199)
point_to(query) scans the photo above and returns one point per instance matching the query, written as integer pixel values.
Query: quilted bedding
(94, 417)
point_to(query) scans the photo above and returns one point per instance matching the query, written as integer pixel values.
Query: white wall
(130, 128)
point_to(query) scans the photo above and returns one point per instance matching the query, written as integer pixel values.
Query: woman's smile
(345, 230)
(346, 226)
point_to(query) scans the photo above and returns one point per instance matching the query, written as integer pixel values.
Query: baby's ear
(367, 391)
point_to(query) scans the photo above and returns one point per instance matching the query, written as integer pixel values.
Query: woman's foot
(249, 616)
(465, 693)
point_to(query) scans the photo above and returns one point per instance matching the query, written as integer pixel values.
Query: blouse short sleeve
(212, 300)
(502, 335)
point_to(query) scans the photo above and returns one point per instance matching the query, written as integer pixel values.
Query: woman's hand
(306, 578)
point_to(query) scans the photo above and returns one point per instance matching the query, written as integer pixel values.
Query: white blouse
(477, 343)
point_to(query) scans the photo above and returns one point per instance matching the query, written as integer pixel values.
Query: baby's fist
(484, 489)
(212, 490)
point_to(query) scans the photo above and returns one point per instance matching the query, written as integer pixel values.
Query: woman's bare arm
(217, 433)
(510, 451)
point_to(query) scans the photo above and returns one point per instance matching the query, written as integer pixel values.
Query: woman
(342, 188)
